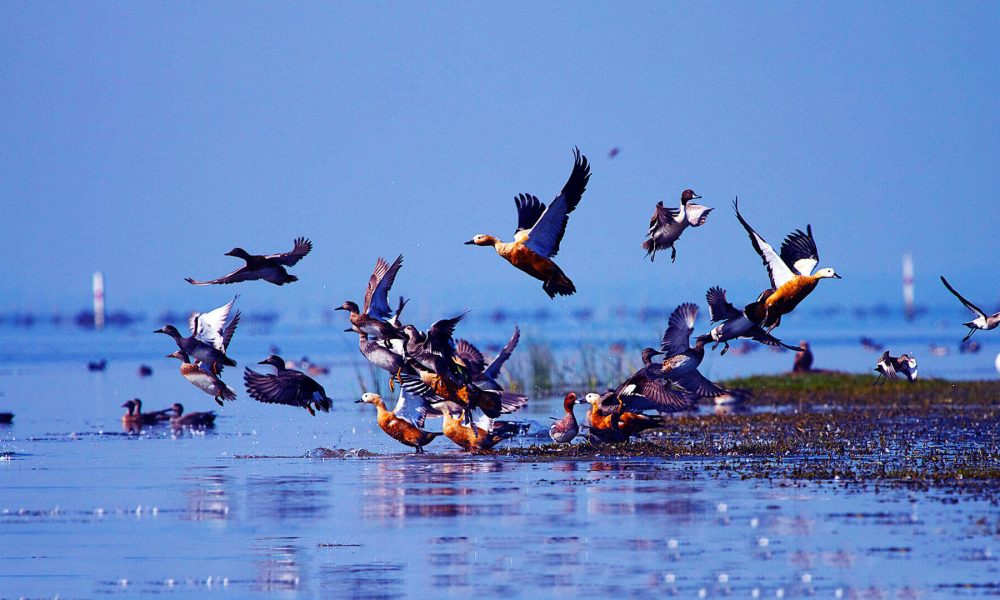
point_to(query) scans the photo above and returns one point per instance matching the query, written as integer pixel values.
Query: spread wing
(696, 383)
(377, 293)
(662, 217)
(888, 365)
(759, 335)
(470, 355)
(719, 309)
(208, 327)
(677, 337)
(413, 385)
(657, 395)
(545, 235)
(241, 274)
(272, 389)
(411, 408)
(609, 405)
(799, 251)
(301, 247)
(979, 312)
(777, 270)
(493, 369)
(227, 333)
(697, 214)
(529, 208)
(440, 334)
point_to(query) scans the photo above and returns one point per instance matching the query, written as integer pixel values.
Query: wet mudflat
(819, 488)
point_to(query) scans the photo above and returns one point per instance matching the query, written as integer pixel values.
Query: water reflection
(278, 564)
(364, 581)
(285, 497)
(207, 499)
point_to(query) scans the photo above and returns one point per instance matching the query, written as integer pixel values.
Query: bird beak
(696, 197)
(470, 243)
(340, 308)
(161, 330)
(359, 401)
(837, 276)
(349, 329)
(263, 362)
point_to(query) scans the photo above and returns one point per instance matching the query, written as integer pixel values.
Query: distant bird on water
(6, 417)
(286, 386)
(98, 365)
(135, 416)
(667, 224)
(803, 359)
(373, 318)
(211, 333)
(982, 321)
(192, 419)
(203, 380)
(889, 367)
(539, 231)
(790, 273)
(269, 267)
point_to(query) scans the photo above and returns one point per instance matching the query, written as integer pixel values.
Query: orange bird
(539, 231)
(612, 420)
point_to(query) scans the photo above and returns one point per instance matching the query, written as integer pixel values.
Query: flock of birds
(440, 375)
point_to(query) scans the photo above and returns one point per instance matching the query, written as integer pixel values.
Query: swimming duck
(203, 380)
(135, 416)
(193, 419)
(539, 231)
(667, 224)
(405, 422)
(888, 367)
(791, 273)
(6, 417)
(97, 366)
(735, 324)
(803, 358)
(486, 375)
(210, 337)
(612, 421)
(982, 321)
(565, 429)
(373, 319)
(269, 267)
(286, 386)
(476, 435)
(680, 362)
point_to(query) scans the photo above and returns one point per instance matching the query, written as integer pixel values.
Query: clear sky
(147, 139)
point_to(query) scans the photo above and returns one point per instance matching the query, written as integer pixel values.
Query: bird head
(481, 240)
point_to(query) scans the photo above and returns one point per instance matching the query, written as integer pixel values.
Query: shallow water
(247, 509)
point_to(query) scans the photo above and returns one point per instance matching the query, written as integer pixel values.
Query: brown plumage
(611, 423)
(406, 427)
(540, 231)
(482, 434)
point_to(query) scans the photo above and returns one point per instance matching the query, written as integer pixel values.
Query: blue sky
(147, 139)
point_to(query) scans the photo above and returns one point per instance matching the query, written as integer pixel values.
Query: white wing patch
(211, 324)
(697, 214)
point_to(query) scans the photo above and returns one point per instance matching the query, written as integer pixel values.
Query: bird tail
(227, 393)
(559, 284)
(289, 279)
(650, 249)
(228, 361)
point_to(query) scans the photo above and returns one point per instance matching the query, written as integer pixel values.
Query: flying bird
(539, 231)
(373, 318)
(204, 380)
(791, 273)
(211, 333)
(667, 224)
(269, 267)
(681, 361)
(982, 321)
(734, 324)
(889, 367)
(286, 386)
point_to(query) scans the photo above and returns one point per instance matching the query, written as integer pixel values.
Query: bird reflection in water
(403, 489)
(286, 497)
(207, 499)
(277, 564)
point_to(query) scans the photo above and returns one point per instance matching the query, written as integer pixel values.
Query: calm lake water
(274, 502)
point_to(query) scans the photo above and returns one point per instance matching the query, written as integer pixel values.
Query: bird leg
(724, 349)
(673, 254)
(219, 402)
(392, 384)
(310, 409)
